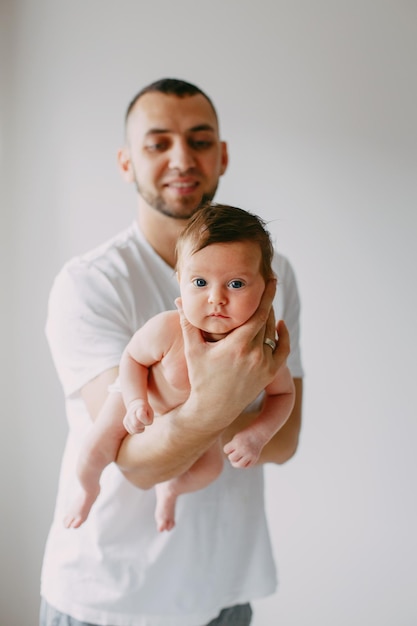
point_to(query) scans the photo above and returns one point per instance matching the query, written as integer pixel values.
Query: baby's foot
(80, 509)
(165, 507)
(244, 449)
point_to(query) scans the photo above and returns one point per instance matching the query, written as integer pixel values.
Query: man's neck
(161, 232)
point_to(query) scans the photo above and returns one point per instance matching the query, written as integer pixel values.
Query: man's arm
(241, 362)
(95, 392)
(171, 445)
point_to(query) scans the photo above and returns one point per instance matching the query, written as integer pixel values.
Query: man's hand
(231, 373)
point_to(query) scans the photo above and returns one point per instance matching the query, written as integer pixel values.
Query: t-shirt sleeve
(87, 327)
(288, 308)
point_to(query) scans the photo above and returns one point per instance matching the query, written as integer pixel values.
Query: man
(117, 570)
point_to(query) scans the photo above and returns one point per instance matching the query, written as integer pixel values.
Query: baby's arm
(245, 447)
(146, 349)
(134, 388)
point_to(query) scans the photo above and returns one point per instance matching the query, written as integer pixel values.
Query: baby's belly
(168, 388)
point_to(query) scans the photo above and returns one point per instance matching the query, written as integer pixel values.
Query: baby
(223, 262)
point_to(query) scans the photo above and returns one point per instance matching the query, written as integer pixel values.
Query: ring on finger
(271, 343)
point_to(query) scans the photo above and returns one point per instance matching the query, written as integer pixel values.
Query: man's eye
(157, 146)
(236, 284)
(200, 144)
(199, 282)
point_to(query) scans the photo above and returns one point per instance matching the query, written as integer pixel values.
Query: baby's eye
(199, 282)
(236, 284)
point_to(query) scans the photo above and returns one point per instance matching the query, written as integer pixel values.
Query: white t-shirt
(117, 569)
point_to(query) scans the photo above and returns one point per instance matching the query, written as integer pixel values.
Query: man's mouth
(183, 186)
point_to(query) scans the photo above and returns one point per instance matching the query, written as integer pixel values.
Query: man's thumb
(188, 330)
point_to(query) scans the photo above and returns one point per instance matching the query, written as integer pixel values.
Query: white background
(317, 100)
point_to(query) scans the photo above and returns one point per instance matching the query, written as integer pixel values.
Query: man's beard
(159, 204)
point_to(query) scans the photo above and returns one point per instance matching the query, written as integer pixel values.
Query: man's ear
(125, 164)
(224, 158)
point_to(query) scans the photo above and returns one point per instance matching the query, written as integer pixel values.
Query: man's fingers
(189, 332)
(283, 345)
(265, 305)
(263, 318)
(270, 332)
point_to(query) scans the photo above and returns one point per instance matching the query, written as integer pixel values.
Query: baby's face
(221, 286)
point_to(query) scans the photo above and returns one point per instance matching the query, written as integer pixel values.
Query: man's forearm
(167, 448)
(175, 441)
(283, 445)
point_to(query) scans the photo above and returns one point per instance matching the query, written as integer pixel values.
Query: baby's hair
(222, 223)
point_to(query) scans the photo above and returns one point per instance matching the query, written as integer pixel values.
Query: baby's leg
(99, 450)
(87, 491)
(204, 471)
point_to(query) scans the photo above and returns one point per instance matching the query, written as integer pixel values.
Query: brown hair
(222, 223)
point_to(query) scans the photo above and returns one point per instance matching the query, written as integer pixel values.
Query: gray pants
(239, 615)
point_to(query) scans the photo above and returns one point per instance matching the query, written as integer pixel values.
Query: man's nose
(181, 156)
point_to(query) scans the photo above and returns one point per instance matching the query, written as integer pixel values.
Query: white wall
(318, 103)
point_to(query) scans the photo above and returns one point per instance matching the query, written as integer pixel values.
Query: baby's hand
(138, 415)
(244, 449)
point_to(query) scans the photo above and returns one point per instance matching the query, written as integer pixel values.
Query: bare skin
(174, 156)
(148, 459)
(206, 469)
(166, 450)
(169, 382)
(222, 298)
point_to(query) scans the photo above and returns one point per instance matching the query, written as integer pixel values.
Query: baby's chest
(174, 370)
(168, 380)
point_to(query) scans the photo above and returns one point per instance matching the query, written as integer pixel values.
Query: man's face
(174, 154)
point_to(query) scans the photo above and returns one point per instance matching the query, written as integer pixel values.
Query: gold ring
(270, 343)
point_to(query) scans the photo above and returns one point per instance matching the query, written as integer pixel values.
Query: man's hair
(169, 87)
(222, 223)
